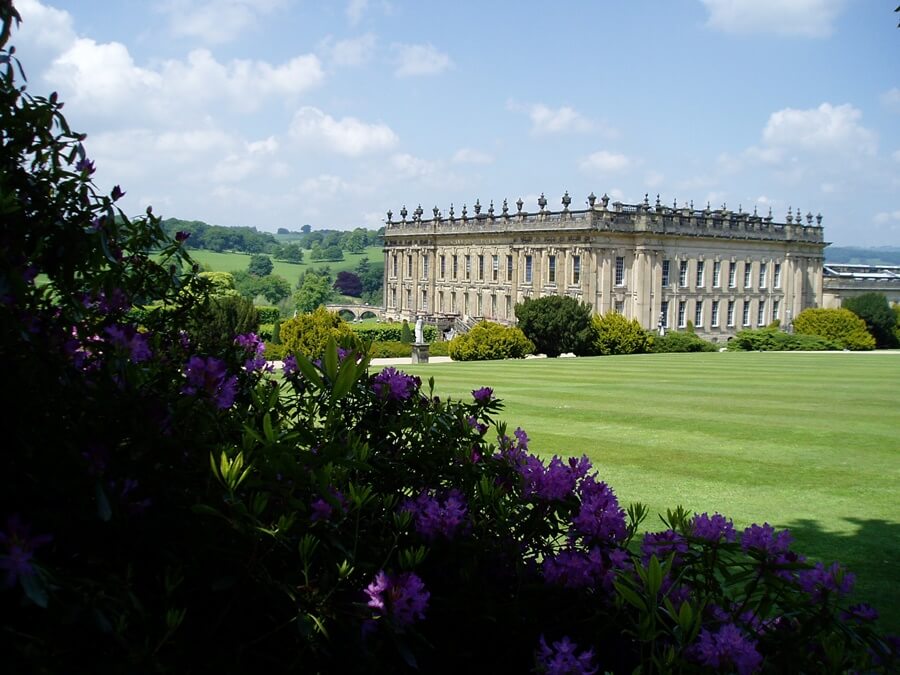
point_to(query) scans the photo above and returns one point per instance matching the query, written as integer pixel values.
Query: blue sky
(276, 113)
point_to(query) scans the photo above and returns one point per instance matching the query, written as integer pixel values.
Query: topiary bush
(839, 325)
(406, 335)
(487, 341)
(675, 341)
(614, 334)
(556, 325)
(307, 334)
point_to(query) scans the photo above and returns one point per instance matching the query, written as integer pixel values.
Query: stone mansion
(719, 269)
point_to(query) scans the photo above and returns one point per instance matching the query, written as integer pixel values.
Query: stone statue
(419, 337)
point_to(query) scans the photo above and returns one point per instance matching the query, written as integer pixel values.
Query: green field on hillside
(232, 262)
(810, 442)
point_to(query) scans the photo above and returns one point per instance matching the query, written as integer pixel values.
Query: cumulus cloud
(804, 18)
(412, 60)
(355, 10)
(216, 21)
(546, 120)
(828, 128)
(472, 156)
(351, 52)
(887, 217)
(408, 166)
(891, 99)
(323, 186)
(346, 136)
(44, 27)
(606, 162)
(253, 158)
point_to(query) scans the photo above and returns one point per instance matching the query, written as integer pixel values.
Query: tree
(275, 288)
(315, 290)
(308, 333)
(406, 336)
(874, 309)
(614, 334)
(488, 341)
(556, 324)
(347, 283)
(306, 229)
(290, 253)
(332, 253)
(840, 325)
(260, 265)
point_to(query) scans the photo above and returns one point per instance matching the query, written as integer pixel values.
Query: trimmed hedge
(681, 342)
(389, 332)
(488, 341)
(390, 349)
(840, 325)
(773, 340)
(268, 314)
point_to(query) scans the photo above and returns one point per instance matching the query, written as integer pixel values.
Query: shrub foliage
(307, 334)
(487, 340)
(771, 339)
(678, 341)
(874, 309)
(839, 325)
(614, 334)
(556, 325)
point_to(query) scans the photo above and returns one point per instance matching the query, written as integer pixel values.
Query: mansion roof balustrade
(601, 215)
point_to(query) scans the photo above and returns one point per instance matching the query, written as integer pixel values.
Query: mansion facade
(664, 266)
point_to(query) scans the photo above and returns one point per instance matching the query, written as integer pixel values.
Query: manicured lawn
(805, 441)
(232, 262)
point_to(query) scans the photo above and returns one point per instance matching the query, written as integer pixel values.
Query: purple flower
(19, 548)
(435, 518)
(819, 581)
(563, 658)
(116, 193)
(209, 376)
(713, 528)
(85, 166)
(727, 648)
(182, 236)
(661, 544)
(763, 538)
(861, 612)
(483, 395)
(289, 366)
(395, 385)
(323, 510)
(577, 569)
(600, 517)
(126, 338)
(475, 424)
(401, 597)
(556, 481)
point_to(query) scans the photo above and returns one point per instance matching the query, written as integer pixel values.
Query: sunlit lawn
(805, 441)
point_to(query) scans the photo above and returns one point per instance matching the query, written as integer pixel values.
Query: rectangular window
(698, 313)
(394, 265)
(665, 273)
(748, 271)
(699, 279)
(443, 267)
(714, 314)
(409, 272)
(551, 269)
(620, 270)
(762, 275)
(481, 268)
(424, 301)
(620, 307)
(682, 310)
(493, 306)
(440, 306)
(425, 266)
(455, 266)
(453, 302)
(509, 268)
(732, 273)
(576, 269)
(408, 299)
(480, 311)
(495, 268)
(761, 313)
(393, 297)
(528, 269)
(777, 275)
(468, 267)
(508, 303)
(730, 318)
(717, 274)
(746, 317)
(775, 307)
(664, 313)
(682, 273)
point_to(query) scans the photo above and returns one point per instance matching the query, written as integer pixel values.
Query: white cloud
(44, 27)
(407, 166)
(606, 162)
(355, 10)
(805, 18)
(424, 59)
(216, 21)
(546, 120)
(822, 130)
(472, 156)
(253, 158)
(891, 99)
(350, 52)
(323, 186)
(346, 136)
(885, 217)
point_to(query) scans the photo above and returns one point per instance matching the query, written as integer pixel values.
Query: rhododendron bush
(172, 506)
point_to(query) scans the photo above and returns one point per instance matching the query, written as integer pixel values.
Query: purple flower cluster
(861, 612)
(727, 648)
(483, 395)
(556, 481)
(289, 366)
(209, 376)
(127, 339)
(600, 517)
(714, 528)
(19, 548)
(663, 544)
(254, 346)
(575, 569)
(401, 597)
(395, 385)
(323, 510)
(764, 538)
(563, 658)
(820, 581)
(435, 518)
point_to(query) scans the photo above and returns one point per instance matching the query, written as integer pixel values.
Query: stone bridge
(357, 312)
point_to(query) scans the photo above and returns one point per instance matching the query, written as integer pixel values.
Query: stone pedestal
(420, 352)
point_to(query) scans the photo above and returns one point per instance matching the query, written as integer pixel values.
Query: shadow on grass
(871, 552)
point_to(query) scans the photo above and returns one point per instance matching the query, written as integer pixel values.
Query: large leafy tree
(874, 309)
(314, 291)
(260, 265)
(556, 325)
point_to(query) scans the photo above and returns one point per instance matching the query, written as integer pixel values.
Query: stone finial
(769, 217)
(390, 214)
(436, 211)
(451, 211)
(740, 209)
(491, 209)
(505, 208)
(477, 207)
(604, 200)
(675, 204)
(646, 200)
(542, 202)
(819, 219)
(707, 207)
(465, 213)
(754, 211)
(658, 205)
(419, 211)
(809, 217)
(692, 205)
(566, 200)
(403, 213)
(790, 216)
(519, 205)
(592, 199)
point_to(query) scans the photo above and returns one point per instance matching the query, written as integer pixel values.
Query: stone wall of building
(720, 270)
